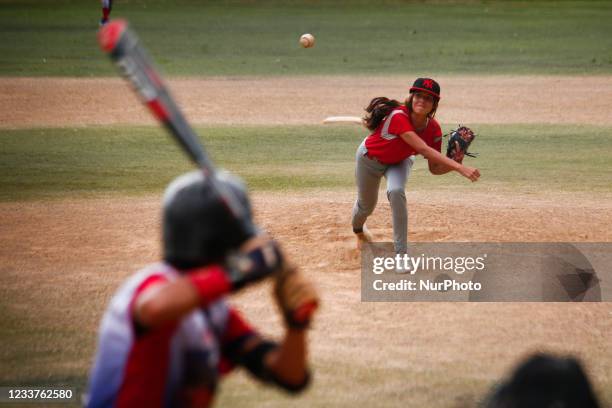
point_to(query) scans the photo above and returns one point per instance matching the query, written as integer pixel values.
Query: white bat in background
(343, 119)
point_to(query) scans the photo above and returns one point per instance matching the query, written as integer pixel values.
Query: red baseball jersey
(135, 367)
(386, 145)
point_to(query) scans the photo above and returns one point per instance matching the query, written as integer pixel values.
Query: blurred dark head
(545, 381)
(198, 228)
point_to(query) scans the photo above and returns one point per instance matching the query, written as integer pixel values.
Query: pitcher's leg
(396, 193)
(367, 175)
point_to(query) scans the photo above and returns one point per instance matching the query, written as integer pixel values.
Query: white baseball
(307, 40)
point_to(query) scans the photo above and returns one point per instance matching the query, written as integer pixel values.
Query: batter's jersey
(139, 367)
(386, 145)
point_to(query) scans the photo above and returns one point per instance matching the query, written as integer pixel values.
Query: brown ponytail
(377, 110)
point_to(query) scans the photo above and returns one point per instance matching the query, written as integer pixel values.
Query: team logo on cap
(426, 85)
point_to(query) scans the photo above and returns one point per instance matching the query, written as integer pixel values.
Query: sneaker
(403, 267)
(363, 237)
(103, 21)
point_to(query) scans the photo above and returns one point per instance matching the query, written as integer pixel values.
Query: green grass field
(56, 281)
(190, 37)
(43, 163)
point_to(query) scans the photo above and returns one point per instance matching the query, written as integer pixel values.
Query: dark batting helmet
(198, 229)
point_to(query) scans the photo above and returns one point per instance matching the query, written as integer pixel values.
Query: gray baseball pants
(368, 173)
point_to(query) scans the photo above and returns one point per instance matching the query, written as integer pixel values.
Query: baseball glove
(459, 142)
(295, 296)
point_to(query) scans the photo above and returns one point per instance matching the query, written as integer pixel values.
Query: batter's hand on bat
(296, 297)
(258, 258)
(471, 173)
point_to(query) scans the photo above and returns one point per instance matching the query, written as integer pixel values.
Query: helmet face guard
(198, 228)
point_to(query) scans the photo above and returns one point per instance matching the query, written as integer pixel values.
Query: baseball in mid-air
(307, 40)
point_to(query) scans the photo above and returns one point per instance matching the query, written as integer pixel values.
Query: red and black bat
(125, 50)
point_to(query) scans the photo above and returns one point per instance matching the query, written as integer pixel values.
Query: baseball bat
(342, 119)
(124, 48)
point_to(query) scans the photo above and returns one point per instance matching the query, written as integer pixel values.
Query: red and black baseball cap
(426, 85)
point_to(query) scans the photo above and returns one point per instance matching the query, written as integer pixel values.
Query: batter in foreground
(399, 132)
(169, 333)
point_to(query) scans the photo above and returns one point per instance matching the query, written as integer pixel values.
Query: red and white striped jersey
(161, 367)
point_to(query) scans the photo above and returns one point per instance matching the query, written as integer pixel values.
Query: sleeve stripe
(384, 133)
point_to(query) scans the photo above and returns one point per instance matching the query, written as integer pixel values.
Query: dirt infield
(28, 102)
(75, 252)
